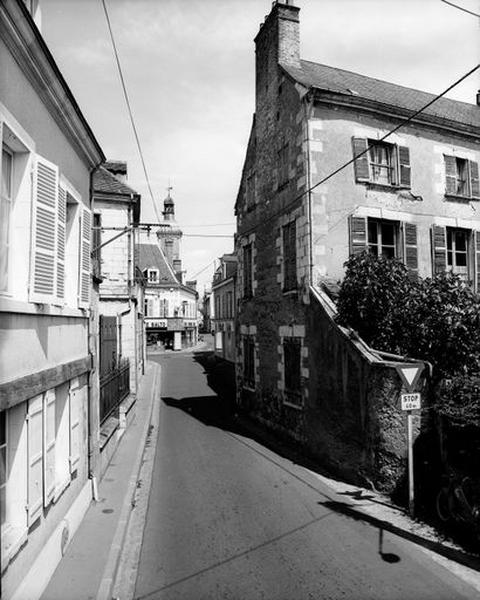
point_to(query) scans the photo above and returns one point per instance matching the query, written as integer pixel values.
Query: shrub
(437, 319)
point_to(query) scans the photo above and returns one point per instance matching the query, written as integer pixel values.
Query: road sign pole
(411, 497)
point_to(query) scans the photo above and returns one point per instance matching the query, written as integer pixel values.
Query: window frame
(379, 225)
(463, 271)
(8, 200)
(289, 249)
(247, 256)
(398, 164)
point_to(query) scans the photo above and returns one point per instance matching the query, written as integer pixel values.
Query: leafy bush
(437, 319)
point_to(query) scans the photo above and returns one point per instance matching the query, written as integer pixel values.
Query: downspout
(93, 404)
(306, 102)
(131, 285)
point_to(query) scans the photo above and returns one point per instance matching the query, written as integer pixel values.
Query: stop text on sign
(410, 401)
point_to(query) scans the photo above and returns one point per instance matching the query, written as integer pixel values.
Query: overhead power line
(351, 161)
(129, 108)
(461, 8)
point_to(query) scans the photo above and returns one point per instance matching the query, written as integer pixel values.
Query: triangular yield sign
(410, 374)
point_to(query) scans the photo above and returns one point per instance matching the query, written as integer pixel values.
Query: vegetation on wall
(434, 319)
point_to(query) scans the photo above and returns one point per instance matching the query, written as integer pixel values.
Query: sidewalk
(88, 569)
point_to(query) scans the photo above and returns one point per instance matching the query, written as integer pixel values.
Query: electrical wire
(129, 108)
(460, 8)
(355, 158)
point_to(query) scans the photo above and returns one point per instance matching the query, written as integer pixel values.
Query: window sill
(288, 402)
(386, 187)
(31, 308)
(459, 198)
(13, 538)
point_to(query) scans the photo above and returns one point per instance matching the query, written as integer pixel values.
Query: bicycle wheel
(443, 510)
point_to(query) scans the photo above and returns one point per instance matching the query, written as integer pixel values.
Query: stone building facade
(224, 300)
(413, 195)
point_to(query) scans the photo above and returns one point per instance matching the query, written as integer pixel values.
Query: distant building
(170, 306)
(121, 340)
(48, 383)
(413, 196)
(224, 300)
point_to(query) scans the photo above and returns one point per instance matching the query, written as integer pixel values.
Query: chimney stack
(478, 98)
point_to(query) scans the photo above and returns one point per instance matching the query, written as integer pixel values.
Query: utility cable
(129, 108)
(356, 157)
(460, 8)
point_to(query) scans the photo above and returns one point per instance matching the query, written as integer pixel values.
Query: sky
(188, 66)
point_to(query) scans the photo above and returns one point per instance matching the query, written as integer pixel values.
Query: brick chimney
(277, 42)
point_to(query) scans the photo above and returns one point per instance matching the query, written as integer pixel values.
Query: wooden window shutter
(48, 447)
(476, 251)
(410, 245)
(404, 166)
(61, 227)
(474, 183)
(358, 234)
(439, 246)
(361, 166)
(35, 459)
(44, 232)
(74, 400)
(85, 259)
(450, 175)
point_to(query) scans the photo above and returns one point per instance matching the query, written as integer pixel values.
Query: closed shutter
(439, 247)
(48, 447)
(85, 259)
(44, 227)
(361, 167)
(35, 456)
(474, 184)
(74, 398)
(450, 175)
(477, 260)
(358, 234)
(404, 165)
(61, 226)
(410, 244)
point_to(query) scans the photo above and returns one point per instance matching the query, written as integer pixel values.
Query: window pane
(449, 258)
(388, 234)
(388, 252)
(460, 240)
(461, 259)
(372, 232)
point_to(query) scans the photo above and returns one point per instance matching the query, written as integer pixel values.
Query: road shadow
(465, 558)
(221, 411)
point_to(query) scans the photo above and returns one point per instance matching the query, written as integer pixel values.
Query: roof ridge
(405, 87)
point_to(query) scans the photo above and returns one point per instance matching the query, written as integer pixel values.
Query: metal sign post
(410, 376)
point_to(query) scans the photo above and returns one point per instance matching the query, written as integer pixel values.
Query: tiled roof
(149, 256)
(106, 183)
(360, 86)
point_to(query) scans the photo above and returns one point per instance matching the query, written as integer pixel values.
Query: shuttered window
(381, 163)
(44, 235)
(85, 258)
(289, 256)
(48, 447)
(247, 271)
(249, 361)
(61, 241)
(461, 177)
(74, 413)
(35, 458)
(476, 235)
(410, 247)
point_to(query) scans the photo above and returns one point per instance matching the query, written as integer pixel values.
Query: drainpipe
(93, 404)
(306, 103)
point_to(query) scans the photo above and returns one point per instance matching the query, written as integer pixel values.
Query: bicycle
(457, 500)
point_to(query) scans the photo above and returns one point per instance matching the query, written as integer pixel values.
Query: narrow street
(229, 519)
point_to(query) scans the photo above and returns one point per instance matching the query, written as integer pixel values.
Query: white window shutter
(35, 456)
(44, 232)
(85, 259)
(48, 447)
(74, 398)
(61, 227)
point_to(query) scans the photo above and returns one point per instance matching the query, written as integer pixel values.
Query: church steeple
(168, 207)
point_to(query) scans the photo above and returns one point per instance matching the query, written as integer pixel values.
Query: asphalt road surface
(229, 519)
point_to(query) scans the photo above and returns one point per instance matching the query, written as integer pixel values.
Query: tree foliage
(436, 319)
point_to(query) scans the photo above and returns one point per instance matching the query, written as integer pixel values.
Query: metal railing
(114, 387)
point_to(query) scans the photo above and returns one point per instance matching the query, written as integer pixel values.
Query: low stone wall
(355, 423)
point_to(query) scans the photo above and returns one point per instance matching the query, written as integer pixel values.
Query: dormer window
(152, 275)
